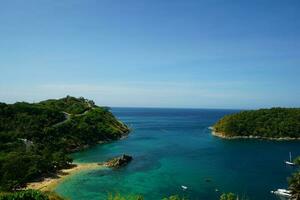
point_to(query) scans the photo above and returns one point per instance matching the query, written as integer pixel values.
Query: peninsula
(36, 138)
(275, 123)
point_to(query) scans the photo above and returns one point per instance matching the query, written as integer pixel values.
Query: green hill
(264, 123)
(35, 139)
(69, 104)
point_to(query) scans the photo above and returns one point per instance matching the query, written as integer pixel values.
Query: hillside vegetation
(264, 123)
(35, 139)
(69, 104)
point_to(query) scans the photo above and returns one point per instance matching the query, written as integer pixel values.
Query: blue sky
(152, 53)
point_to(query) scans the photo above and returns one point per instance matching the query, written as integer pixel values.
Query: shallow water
(174, 147)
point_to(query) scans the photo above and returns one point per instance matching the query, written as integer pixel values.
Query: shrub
(24, 195)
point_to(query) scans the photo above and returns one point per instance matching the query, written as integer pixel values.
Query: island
(274, 123)
(36, 138)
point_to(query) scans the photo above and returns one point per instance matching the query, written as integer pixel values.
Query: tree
(297, 161)
(228, 196)
(24, 195)
(174, 197)
(294, 185)
(267, 123)
(51, 137)
(118, 196)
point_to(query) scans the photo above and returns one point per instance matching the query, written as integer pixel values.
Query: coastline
(50, 183)
(222, 135)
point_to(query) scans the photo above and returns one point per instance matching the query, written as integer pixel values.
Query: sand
(50, 183)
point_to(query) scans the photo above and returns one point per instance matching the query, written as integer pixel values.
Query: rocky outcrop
(119, 161)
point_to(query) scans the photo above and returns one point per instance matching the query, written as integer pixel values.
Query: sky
(152, 53)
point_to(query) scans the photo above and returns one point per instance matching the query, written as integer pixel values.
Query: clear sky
(152, 53)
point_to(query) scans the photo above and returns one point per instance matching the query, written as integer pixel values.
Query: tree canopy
(35, 139)
(266, 123)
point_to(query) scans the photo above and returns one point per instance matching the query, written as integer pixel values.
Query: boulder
(119, 161)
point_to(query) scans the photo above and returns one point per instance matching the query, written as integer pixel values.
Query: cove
(174, 147)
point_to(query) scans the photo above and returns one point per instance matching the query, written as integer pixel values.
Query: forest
(264, 123)
(36, 138)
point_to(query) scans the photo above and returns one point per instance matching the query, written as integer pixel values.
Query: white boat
(283, 194)
(290, 162)
(184, 187)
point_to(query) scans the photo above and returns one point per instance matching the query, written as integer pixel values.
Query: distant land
(36, 138)
(275, 123)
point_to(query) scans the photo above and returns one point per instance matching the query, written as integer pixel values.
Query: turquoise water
(174, 147)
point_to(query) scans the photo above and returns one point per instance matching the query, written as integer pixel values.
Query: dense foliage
(35, 138)
(69, 104)
(228, 196)
(268, 123)
(175, 197)
(294, 185)
(30, 195)
(118, 196)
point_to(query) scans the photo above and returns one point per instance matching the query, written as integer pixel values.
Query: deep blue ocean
(174, 147)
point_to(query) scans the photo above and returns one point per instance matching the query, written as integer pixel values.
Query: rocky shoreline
(223, 136)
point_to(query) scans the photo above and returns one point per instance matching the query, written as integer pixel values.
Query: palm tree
(294, 185)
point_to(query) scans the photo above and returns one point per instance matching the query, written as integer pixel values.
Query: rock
(119, 161)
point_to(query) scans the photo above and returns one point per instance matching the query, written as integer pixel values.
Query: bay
(174, 147)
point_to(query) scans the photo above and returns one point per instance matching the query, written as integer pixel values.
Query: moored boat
(290, 162)
(283, 194)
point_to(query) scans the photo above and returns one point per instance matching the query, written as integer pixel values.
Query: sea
(172, 148)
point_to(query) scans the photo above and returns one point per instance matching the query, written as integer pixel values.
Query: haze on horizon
(158, 53)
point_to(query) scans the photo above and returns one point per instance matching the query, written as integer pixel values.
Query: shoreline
(222, 135)
(50, 183)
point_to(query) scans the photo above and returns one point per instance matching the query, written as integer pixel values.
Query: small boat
(282, 194)
(184, 187)
(290, 162)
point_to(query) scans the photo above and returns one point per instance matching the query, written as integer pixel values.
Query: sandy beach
(50, 183)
